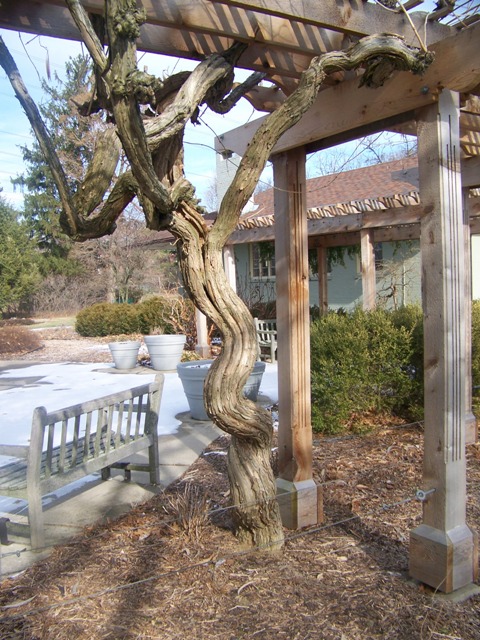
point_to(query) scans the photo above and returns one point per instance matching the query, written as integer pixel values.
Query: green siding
(401, 272)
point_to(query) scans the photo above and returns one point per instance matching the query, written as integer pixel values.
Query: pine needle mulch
(166, 570)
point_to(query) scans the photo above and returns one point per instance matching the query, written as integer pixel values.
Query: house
(342, 200)
(382, 198)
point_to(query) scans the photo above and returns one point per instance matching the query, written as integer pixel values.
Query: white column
(202, 347)
(230, 266)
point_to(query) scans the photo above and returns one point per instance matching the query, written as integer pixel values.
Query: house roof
(379, 187)
(376, 187)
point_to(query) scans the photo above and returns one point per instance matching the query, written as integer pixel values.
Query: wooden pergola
(442, 108)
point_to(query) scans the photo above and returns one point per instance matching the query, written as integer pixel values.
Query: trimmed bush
(410, 318)
(361, 364)
(106, 319)
(154, 314)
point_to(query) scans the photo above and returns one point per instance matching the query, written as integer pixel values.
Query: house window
(378, 252)
(262, 261)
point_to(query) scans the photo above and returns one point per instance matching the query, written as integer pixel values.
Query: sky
(33, 55)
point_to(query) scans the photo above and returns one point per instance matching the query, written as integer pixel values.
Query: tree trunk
(252, 483)
(252, 487)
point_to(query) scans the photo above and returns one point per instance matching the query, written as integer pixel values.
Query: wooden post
(202, 347)
(470, 420)
(322, 280)
(299, 501)
(229, 265)
(367, 250)
(443, 550)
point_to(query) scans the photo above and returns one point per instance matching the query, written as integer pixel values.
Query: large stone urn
(193, 374)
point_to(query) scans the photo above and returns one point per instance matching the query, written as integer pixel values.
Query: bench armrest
(14, 450)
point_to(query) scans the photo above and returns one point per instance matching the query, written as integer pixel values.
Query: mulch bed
(167, 571)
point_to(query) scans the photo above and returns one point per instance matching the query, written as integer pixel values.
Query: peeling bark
(153, 143)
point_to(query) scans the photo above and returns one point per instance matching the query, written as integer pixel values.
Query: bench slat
(118, 433)
(129, 422)
(88, 429)
(266, 338)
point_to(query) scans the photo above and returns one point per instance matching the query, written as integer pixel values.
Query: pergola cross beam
(364, 20)
(456, 66)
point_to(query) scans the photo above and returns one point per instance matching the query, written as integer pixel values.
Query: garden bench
(71, 443)
(266, 338)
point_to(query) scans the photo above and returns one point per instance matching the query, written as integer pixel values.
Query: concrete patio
(181, 441)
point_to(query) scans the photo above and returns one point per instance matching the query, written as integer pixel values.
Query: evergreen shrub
(107, 319)
(411, 318)
(154, 314)
(361, 365)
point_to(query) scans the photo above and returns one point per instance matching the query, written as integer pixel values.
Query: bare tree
(211, 199)
(373, 149)
(398, 276)
(152, 141)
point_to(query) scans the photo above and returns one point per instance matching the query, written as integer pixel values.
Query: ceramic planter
(193, 374)
(165, 350)
(124, 353)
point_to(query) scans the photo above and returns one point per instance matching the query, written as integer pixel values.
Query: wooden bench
(71, 443)
(266, 339)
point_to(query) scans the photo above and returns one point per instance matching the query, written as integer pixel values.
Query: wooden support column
(470, 420)
(367, 250)
(443, 550)
(202, 347)
(322, 260)
(300, 502)
(229, 265)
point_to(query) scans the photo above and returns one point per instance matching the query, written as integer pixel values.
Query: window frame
(258, 271)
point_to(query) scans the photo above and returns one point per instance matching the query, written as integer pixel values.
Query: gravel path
(62, 344)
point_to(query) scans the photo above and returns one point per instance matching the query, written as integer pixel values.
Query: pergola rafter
(282, 41)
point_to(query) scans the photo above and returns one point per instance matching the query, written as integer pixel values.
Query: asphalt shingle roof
(376, 187)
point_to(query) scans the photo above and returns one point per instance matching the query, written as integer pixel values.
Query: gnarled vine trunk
(153, 146)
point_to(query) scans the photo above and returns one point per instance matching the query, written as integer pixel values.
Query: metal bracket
(422, 494)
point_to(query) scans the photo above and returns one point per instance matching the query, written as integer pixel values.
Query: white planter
(165, 350)
(193, 374)
(124, 353)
